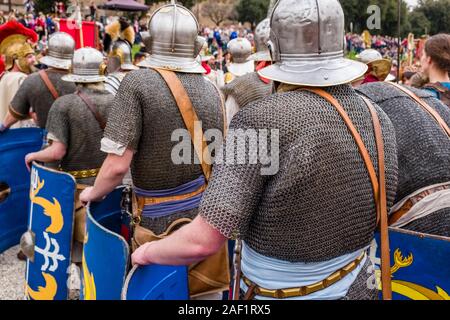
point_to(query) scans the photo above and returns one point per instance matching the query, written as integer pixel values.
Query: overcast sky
(411, 2)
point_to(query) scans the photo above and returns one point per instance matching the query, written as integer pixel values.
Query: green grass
(136, 48)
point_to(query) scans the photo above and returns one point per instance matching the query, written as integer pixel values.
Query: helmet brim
(83, 79)
(260, 56)
(324, 73)
(56, 62)
(177, 65)
(128, 67)
(240, 69)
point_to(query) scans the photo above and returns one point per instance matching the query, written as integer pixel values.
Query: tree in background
(437, 12)
(218, 10)
(252, 11)
(419, 23)
(356, 14)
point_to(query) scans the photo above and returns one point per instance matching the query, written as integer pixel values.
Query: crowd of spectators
(217, 38)
(386, 45)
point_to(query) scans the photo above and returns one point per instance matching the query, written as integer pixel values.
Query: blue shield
(106, 253)
(419, 264)
(14, 175)
(155, 282)
(51, 221)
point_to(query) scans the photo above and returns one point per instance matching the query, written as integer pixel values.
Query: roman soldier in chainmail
(119, 64)
(75, 127)
(251, 86)
(15, 46)
(240, 50)
(39, 90)
(150, 114)
(422, 203)
(305, 228)
(379, 68)
(118, 30)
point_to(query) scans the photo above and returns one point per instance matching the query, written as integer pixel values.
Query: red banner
(87, 38)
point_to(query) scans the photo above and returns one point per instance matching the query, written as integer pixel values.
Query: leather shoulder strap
(356, 136)
(44, 76)
(93, 109)
(190, 118)
(378, 184)
(425, 106)
(382, 207)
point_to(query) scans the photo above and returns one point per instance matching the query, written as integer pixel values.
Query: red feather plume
(2, 67)
(14, 27)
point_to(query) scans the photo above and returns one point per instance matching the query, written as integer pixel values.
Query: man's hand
(3, 128)
(29, 158)
(88, 196)
(140, 256)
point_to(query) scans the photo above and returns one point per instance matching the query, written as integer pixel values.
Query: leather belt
(254, 289)
(404, 209)
(82, 174)
(141, 202)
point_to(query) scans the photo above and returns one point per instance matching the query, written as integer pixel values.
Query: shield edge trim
(122, 239)
(419, 234)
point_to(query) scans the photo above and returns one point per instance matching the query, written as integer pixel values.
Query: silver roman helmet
(60, 51)
(173, 41)
(240, 49)
(307, 44)
(121, 51)
(379, 67)
(262, 36)
(88, 66)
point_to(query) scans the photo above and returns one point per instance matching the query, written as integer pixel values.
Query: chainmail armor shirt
(320, 204)
(71, 122)
(423, 147)
(34, 94)
(247, 88)
(143, 118)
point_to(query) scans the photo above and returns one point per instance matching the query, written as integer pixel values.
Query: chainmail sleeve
(124, 124)
(234, 191)
(20, 104)
(58, 122)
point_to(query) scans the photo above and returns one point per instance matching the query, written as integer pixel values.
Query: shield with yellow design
(419, 265)
(48, 241)
(106, 253)
(15, 144)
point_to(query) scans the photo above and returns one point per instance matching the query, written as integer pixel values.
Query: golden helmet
(15, 44)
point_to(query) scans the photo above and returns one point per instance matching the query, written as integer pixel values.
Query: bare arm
(111, 174)
(192, 243)
(55, 152)
(9, 120)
